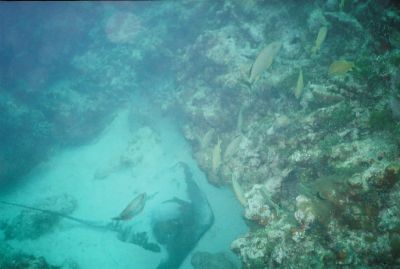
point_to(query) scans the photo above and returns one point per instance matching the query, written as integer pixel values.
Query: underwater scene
(200, 134)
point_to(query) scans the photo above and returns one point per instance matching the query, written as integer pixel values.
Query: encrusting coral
(316, 178)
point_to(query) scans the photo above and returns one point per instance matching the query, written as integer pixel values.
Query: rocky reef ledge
(311, 145)
(12, 259)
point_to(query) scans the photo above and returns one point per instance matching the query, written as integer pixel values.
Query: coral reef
(11, 259)
(206, 260)
(30, 130)
(317, 173)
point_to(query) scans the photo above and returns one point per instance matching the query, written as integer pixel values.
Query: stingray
(177, 225)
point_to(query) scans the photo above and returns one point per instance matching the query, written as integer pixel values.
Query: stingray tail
(93, 224)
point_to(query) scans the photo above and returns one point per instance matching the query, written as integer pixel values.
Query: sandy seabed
(74, 172)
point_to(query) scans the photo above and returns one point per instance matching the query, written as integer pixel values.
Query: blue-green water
(200, 134)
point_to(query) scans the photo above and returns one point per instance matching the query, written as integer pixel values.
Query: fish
(300, 85)
(216, 157)
(320, 39)
(175, 225)
(232, 147)
(239, 125)
(206, 139)
(340, 67)
(178, 232)
(133, 208)
(238, 191)
(264, 59)
(341, 4)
